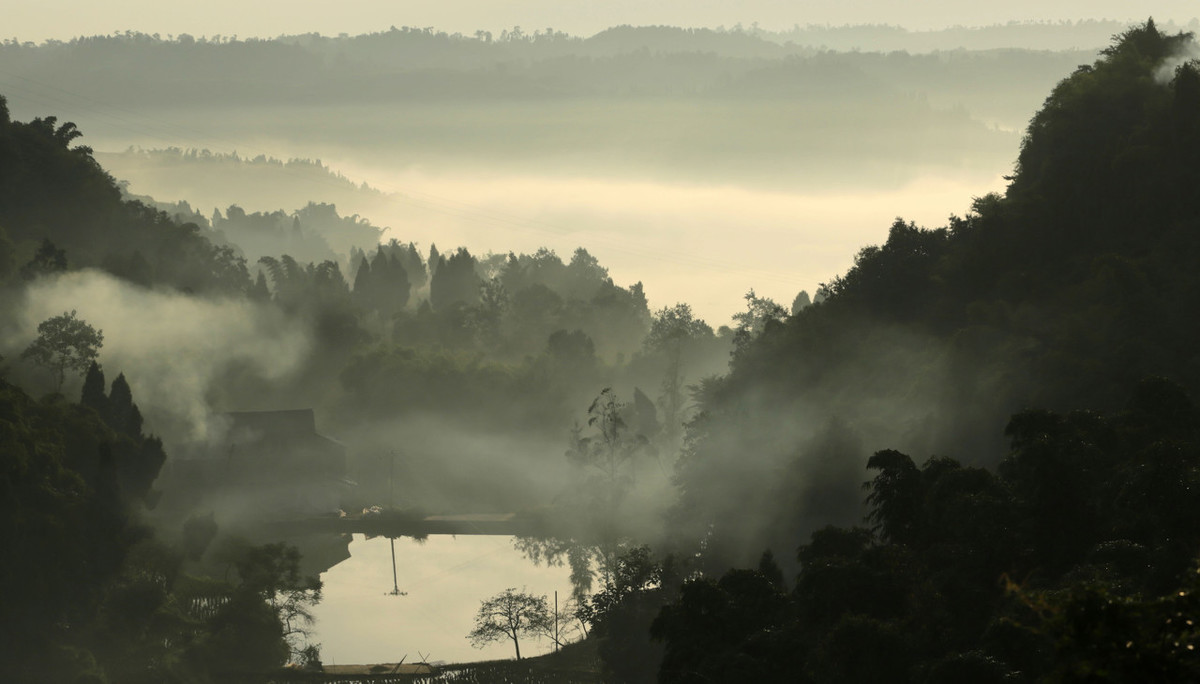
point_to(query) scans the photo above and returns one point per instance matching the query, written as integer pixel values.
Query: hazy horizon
(673, 170)
(27, 20)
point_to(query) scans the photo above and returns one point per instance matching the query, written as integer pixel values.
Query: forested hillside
(89, 594)
(971, 457)
(54, 194)
(1058, 294)
(1053, 549)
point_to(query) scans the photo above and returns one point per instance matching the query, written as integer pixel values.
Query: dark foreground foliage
(1061, 294)
(1075, 561)
(86, 593)
(1068, 556)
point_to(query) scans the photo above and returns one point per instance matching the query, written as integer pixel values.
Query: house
(263, 466)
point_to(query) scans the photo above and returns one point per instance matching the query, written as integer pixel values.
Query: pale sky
(35, 20)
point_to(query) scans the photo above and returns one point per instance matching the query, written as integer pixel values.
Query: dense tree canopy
(1071, 563)
(1061, 547)
(1062, 293)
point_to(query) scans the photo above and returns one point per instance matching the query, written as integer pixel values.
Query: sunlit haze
(29, 20)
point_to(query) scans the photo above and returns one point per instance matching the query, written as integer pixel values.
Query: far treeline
(973, 458)
(541, 62)
(421, 65)
(814, 108)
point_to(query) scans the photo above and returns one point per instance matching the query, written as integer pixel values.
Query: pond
(442, 580)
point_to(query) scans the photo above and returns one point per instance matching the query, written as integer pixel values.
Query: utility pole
(395, 584)
(556, 621)
(391, 505)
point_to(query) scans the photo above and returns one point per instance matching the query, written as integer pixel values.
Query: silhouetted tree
(673, 330)
(488, 316)
(895, 497)
(801, 302)
(64, 343)
(760, 311)
(47, 260)
(510, 615)
(124, 416)
(93, 395)
(362, 282)
(454, 281)
(260, 292)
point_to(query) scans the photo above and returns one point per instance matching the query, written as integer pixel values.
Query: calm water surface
(445, 578)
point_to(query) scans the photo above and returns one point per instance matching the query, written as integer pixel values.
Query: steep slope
(1060, 294)
(52, 191)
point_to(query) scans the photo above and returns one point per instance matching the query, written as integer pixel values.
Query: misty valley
(837, 354)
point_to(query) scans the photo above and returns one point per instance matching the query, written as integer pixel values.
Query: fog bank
(172, 347)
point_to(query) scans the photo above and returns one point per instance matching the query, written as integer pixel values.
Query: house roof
(290, 422)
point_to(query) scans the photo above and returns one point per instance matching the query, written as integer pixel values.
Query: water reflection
(441, 581)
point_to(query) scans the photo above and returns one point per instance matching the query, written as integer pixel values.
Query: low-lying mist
(445, 464)
(702, 243)
(171, 346)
